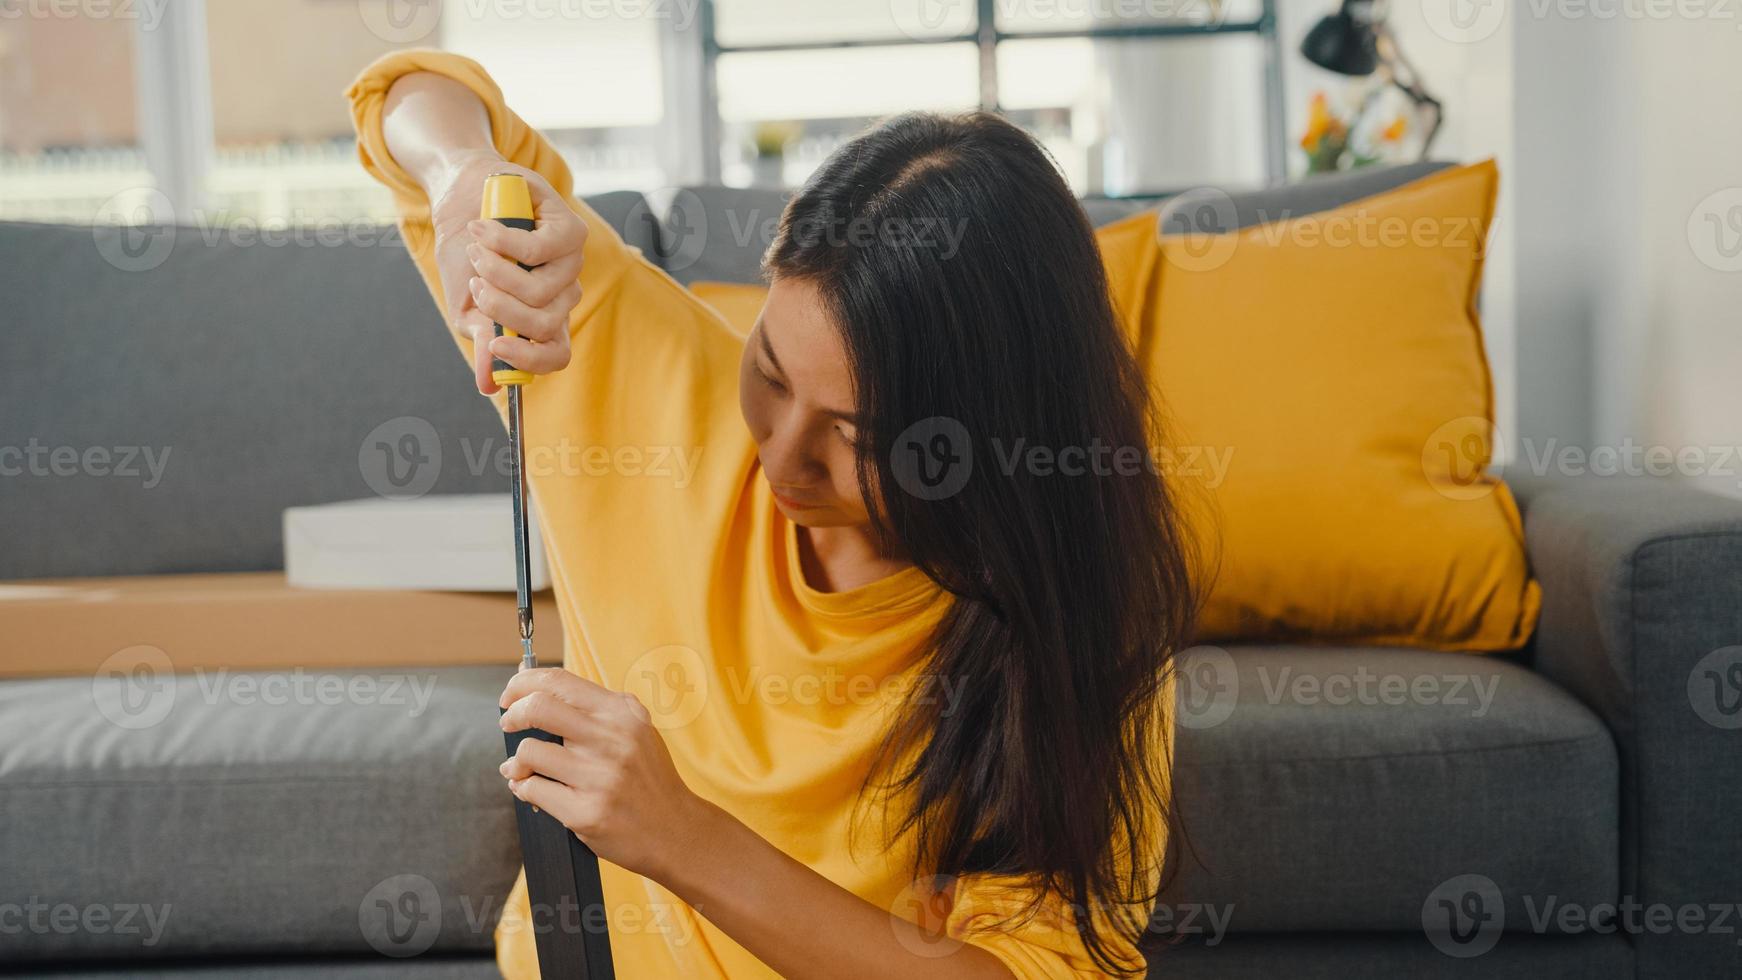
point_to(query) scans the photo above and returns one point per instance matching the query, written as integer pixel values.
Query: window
(1132, 97)
(69, 140)
(586, 75)
(232, 110)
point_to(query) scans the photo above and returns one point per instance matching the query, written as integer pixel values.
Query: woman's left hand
(611, 782)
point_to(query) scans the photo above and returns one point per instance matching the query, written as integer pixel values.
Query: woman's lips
(792, 503)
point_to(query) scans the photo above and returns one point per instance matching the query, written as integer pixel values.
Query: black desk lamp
(1356, 41)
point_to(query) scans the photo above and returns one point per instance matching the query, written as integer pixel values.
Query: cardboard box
(457, 542)
(256, 621)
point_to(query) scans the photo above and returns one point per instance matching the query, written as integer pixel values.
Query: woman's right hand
(484, 285)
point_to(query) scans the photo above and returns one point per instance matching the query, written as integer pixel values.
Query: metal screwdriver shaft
(522, 542)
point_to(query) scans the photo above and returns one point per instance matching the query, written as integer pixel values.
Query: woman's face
(796, 393)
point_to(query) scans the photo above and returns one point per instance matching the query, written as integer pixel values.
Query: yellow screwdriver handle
(507, 199)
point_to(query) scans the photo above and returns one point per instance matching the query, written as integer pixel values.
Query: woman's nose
(787, 459)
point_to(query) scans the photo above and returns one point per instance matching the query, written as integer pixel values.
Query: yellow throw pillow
(1325, 387)
(1334, 363)
(739, 303)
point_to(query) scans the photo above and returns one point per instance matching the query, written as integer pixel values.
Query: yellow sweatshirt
(677, 578)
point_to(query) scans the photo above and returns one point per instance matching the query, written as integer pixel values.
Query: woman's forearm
(802, 924)
(432, 125)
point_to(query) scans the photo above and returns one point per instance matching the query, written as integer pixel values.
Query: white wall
(1470, 70)
(1677, 368)
(1630, 218)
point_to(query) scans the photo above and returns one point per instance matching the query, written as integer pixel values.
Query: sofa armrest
(1642, 620)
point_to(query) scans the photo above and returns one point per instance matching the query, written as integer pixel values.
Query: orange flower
(1320, 123)
(1395, 131)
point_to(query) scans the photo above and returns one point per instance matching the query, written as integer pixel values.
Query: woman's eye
(768, 380)
(847, 437)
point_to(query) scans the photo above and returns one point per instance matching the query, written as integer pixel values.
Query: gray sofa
(1331, 832)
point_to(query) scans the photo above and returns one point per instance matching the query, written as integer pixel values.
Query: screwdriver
(561, 872)
(508, 200)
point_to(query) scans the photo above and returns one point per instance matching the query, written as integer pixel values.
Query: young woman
(895, 594)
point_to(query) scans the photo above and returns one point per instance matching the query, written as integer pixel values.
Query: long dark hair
(975, 312)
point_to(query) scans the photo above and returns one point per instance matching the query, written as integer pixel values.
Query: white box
(453, 542)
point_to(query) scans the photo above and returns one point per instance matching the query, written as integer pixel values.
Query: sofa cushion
(1337, 789)
(712, 233)
(210, 379)
(304, 812)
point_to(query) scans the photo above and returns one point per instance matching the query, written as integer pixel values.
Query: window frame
(704, 52)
